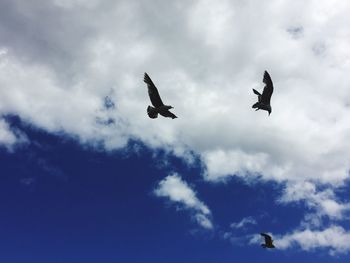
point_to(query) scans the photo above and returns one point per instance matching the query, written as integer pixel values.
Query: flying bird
(268, 241)
(159, 107)
(264, 98)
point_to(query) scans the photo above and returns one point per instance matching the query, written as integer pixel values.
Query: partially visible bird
(268, 241)
(159, 107)
(264, 98)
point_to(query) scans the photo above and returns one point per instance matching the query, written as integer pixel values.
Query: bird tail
(173, 116)
(168, 114)
(152, 113)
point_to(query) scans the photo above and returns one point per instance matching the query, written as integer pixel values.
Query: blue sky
(87, 176)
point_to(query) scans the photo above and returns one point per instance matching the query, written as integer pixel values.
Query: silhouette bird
(268, 241)
(264, 98)
(159, 107)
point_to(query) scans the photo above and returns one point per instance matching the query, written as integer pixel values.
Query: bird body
(158, 105)
(268, 241)
(264, 99)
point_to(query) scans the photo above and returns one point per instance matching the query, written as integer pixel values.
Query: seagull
(159, 107)
(268, 241)
(264, 98)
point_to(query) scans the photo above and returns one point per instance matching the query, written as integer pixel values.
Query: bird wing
(153, 92)
(268, 89)
(256, 92)
(268, 238)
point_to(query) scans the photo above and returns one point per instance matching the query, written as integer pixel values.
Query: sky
(87, 176)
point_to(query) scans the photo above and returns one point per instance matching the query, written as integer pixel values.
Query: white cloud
(178, 191)
(205, 57)
(9, 138)
(33, 93)
(323, 202)
(243, 223)
(334, 238)
(6, 136)
(235, 234)
(206, 67)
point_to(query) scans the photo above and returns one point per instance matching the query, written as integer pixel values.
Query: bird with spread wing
(158, 105)
(264, 99)
(268, 241)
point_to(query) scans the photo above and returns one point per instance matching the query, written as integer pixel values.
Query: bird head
(269, 110)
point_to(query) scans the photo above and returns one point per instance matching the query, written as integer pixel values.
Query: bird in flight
(264, 98)
(159, 107)
(268, 241)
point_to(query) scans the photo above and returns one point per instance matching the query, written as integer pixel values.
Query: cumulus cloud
(56, 76)
(335, 239)
(178, 191)
(324, 202)
(206, 67)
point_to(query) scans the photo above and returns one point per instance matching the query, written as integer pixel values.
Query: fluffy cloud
(324, 202)
(205, 57)
(57, 74)
(178, 191)
(334, 238)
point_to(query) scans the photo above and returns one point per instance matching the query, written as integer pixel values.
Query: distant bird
(264, 98)
(159, 107)
(268, 241)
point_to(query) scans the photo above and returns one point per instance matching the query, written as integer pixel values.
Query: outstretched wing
(153, 92)
(268, 89)
(259, 95)
(268, 238)
(256, 92)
